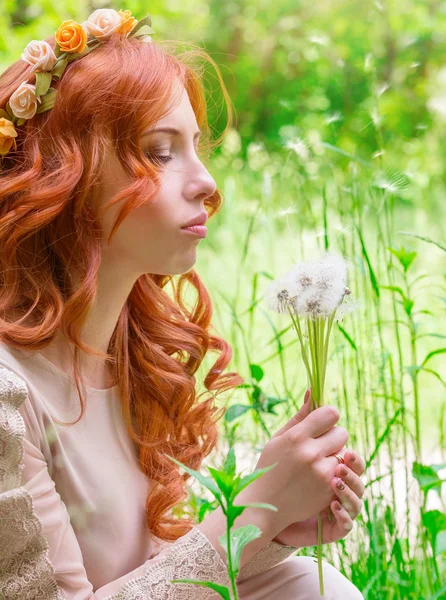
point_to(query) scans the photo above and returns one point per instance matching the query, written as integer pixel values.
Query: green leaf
(382, 437)
(229, 465)
(223, 480)
(232, 513)
(269, 404)
(257, 372)
(59, 68)
(206, 481)
(393, 288)
(220, 589)
(239, 538)
(435, 374)
(433, 353)
(427, 477)
(57, 50)
(424, 238)
(143, 31)
(235, 411)
(4, 114)
(405, 257)
(20, 122)
(372, 276)
(147, 20)
(43, 82)
(435, 523)
(347, 337)
(47, 101)
(247, 479)
(9, 112)
(408, 305)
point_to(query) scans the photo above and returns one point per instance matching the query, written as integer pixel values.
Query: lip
(198, 230)
(197, 220)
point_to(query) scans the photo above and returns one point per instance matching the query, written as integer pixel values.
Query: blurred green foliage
(294, 63)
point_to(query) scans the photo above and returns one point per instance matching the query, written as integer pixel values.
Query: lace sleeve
(270, 555)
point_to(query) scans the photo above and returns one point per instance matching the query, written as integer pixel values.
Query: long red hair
(50, 253)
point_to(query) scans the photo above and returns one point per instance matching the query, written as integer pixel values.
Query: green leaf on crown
(43, 82)
(4, 114)
(59, 68)
(11, 116)
(47, 101)
(147, 20)
(144, 30)
(57, 50)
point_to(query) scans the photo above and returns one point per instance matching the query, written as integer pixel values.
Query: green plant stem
(319, 553)
(229, 553)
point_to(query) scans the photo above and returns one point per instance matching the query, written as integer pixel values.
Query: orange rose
(71, 37)
(128, 22)
(7, 135)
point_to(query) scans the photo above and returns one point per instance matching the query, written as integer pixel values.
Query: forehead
(182, 116)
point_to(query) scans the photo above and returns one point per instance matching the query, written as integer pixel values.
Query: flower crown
(73, 40)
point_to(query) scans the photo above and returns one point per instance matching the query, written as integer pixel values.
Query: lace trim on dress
(271, 554)
(25, 570)
(192, 557)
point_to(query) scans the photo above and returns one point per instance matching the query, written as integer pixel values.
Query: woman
(95, 200)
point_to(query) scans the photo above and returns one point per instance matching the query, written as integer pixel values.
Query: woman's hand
(304, 533)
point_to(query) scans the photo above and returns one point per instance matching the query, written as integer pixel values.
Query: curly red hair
(50, 253)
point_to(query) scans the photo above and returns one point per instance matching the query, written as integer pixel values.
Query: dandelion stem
(302, 343)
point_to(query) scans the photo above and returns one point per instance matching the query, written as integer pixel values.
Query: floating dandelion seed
(300, 147)
(315, 295)
(333, 118)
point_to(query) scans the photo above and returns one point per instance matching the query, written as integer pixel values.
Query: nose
(201, 185)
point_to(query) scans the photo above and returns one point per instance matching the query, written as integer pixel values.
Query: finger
(348, 499)
(353, 481)
(299, 417)
(333, 440)
(343, 520)
(321, 420)
(355, 462)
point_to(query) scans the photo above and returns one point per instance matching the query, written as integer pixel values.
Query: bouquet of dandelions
(315, 295)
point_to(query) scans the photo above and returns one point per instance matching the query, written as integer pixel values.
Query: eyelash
(158, 157)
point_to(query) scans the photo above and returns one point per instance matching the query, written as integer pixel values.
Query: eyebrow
(169, 130)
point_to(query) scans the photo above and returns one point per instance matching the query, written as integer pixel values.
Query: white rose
(39, 54)
(23, 101)
(102, 23)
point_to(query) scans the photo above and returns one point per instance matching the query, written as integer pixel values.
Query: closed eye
(158, 157)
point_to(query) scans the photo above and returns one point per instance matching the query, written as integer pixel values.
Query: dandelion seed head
(313, 288)
(278, 295)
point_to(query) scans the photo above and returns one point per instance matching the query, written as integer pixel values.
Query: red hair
(50, 253)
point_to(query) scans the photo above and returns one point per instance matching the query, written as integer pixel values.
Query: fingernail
(340, 484)
(307, 395)
(337, 506)
(343, 470)
(352, 456)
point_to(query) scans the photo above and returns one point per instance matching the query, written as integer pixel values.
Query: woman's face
(150, 239)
